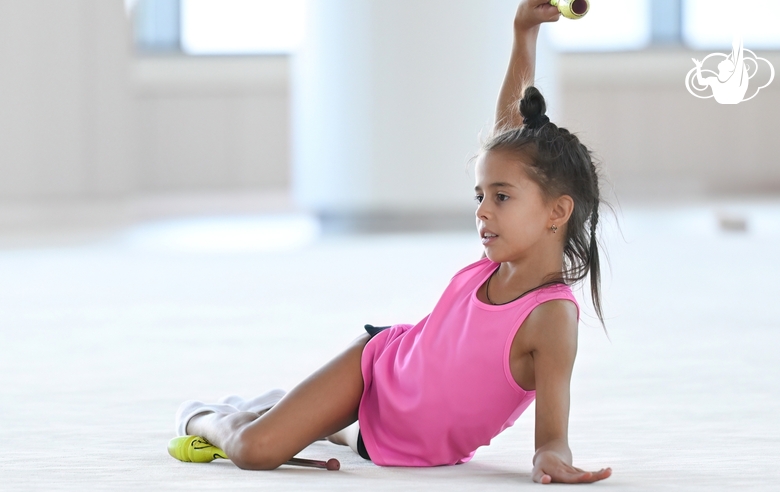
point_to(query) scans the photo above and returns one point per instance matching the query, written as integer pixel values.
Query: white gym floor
(104, 333)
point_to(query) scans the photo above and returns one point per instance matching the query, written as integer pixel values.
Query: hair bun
(533, 107)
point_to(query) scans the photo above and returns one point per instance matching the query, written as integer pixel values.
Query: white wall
(212, 123)
(82, 118)
(657, 140)
(65, 108)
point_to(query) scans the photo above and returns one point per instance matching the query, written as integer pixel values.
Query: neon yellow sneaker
(194, 449)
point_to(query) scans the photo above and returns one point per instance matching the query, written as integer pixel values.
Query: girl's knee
(253, 450)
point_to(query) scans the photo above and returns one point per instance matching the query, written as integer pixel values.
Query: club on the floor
(331, 464)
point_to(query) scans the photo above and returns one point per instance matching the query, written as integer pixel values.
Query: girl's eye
(502, 198)
(478, 198)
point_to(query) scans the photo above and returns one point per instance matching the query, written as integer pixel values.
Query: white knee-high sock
(258, 404)
(191, 408)
(350, 435)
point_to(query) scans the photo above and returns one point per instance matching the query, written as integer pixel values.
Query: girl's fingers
(571, 476)
(604, 473)
(548, 12)
(541, 477)
(574, 477)
(590, 477)
(541, 6)
(534, 12)
(564, 474)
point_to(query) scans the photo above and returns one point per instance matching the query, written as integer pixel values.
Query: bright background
(203, 197)
(269, 26)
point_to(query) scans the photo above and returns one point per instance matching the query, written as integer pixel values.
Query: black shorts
(361, 446)
(373, 330)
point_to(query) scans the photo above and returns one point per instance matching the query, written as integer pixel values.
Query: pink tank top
(436, 391)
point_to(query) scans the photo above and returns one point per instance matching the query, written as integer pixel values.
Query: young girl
(503, 333)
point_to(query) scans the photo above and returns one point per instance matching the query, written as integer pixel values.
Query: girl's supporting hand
(549, 467)
(531, 13)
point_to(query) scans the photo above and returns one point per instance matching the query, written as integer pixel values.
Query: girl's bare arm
(552, 328)
(530, 14)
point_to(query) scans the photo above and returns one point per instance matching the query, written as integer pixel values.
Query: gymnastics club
(331, 464)
(572, 9)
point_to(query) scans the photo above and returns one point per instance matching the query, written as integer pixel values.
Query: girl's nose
(481, 211)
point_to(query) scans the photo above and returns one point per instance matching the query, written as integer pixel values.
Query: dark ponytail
(560, 165)
(594, 261)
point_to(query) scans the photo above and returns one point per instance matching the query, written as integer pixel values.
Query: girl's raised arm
(530, 14)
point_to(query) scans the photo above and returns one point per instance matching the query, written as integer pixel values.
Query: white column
(66, 119)
(389, 97)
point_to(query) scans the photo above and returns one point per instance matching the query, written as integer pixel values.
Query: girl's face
(511, 206)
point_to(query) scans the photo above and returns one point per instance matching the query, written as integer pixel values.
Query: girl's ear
(562, 208)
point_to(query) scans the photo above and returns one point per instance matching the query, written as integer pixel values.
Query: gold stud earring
(554, 228)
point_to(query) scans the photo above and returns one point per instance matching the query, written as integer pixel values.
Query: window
(709, 24)
(236, 27)
(230, 27)
(217, 27)
(618, 25)
(609, 25)
(155, 25)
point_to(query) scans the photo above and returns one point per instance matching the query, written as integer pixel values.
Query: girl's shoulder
(557, 298)
(550, 327)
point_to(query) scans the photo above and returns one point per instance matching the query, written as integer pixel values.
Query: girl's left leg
(324, 403)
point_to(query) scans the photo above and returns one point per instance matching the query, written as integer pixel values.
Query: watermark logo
(730, 84)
